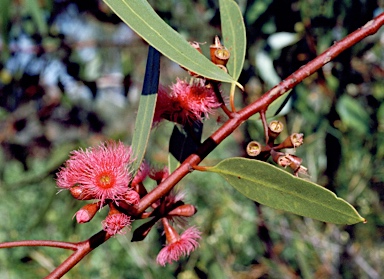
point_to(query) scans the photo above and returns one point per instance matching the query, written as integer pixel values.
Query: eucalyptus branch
(81, 249)
(261, 104)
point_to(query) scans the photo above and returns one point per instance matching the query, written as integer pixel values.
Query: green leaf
(141, 18)
(5, 13)
(271, 186)
(234, 39)
(147, 105)
(173, 163)
(353, 114)
(37, 16)
(280, 106)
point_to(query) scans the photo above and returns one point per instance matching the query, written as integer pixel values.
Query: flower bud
(132, 197)
(87, 212)
(185, 210)
(253, 148)
(171, 234)
(78, 193)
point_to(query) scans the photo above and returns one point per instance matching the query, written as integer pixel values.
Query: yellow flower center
(105, 180)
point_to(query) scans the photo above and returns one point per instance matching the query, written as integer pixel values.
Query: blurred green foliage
(340, 110)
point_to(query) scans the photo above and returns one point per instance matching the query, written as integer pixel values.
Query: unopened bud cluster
(272, 149)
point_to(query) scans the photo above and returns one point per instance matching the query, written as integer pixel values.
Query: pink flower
(163, 103)
(101, 172)
(141, 175)
(177, 245)
(159, 175)
(187, 102)
(132, 197)
(114, 223)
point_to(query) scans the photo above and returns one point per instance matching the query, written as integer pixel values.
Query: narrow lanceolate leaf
(37, 15)
(147, 106)
(277, 188)
(141, 18)
(234, 39)
(173, 163)
(5, 13)
(280, 106)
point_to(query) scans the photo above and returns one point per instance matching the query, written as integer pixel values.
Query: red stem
(82, 249)
(47, 243)
(265, 125)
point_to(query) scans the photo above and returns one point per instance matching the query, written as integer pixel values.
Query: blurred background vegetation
(70, 76)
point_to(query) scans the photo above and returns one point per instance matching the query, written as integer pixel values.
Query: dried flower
(187, 102)
(102, 172)
(178, 245)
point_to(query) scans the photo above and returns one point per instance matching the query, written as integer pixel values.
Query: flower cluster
(187, 102)
(103, 173)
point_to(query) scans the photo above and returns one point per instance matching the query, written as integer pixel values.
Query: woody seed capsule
(253, 148)
(212, 48)
(221, 56)
(275, 127)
